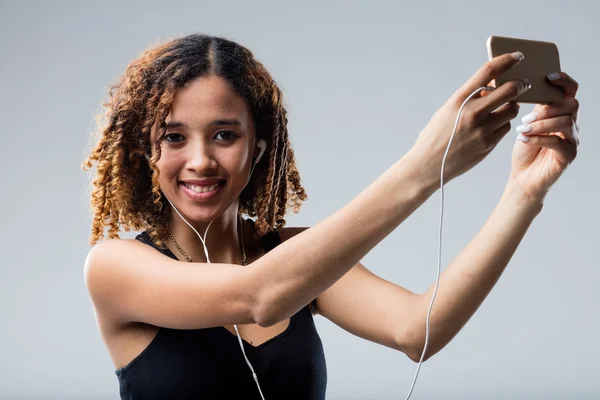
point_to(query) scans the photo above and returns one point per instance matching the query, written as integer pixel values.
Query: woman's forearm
(467, 281)
(300, 269)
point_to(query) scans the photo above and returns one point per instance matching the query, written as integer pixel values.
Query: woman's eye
(173, 137)
(232, 135)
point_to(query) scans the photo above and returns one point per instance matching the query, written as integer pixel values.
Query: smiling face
(209, 135)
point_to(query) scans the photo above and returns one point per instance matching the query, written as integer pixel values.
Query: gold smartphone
(541, 58)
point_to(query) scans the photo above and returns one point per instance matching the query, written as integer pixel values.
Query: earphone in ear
(263, 146)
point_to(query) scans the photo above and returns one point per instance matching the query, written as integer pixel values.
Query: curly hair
(125, 190)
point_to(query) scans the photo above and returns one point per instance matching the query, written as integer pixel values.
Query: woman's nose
(200, 158)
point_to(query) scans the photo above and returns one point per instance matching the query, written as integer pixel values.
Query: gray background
(361, 79)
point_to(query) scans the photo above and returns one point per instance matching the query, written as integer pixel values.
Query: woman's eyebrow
(172, 125)
(233, 122)
(220, 122)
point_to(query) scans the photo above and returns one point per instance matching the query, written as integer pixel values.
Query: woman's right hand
(483, 122)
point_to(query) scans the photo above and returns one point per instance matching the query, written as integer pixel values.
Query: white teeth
(203, 189)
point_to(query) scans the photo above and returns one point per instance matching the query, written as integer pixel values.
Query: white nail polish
(522, 138)
(517, 55)
(524, 128)
(553, 76)
(529, 118)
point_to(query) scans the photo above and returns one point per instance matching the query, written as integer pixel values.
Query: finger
(568, 84)
(562, 126)
(502, 94)
(488, 72)
(484, 93)
(501, 132)
(568, 106)
(565, 149)
(504, 114)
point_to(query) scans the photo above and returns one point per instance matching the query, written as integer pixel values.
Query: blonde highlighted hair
(125, 190)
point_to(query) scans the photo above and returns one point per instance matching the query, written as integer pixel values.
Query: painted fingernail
(522, 138)
(524, 128)
(527, 84)
(529, 118)
(553, 76)
(517, 55)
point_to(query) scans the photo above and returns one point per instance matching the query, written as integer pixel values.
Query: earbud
(262, 145)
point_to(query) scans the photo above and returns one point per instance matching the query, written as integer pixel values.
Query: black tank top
(208, 363)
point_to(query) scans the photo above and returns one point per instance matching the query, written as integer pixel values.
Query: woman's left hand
(550, 139)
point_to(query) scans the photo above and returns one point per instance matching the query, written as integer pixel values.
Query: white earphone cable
(262, 145)
(487, 88)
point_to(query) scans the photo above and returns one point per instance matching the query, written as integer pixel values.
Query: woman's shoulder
(123, 245)
(119, 253)
(116, 271)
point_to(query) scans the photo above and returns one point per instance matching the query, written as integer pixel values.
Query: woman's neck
(222, 240)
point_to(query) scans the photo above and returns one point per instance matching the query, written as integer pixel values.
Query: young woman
(207, 304)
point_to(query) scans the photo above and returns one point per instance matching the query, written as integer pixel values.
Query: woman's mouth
(202, 192)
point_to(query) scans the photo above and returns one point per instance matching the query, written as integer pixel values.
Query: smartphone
(541, 58)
